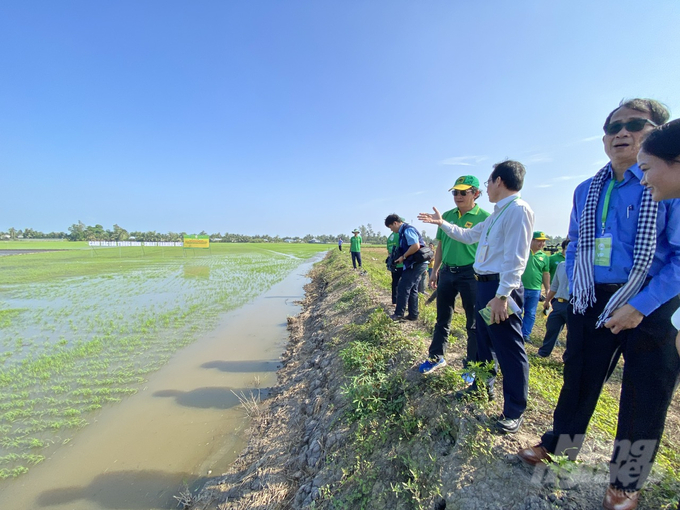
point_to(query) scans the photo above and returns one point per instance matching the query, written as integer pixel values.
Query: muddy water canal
(183, 425)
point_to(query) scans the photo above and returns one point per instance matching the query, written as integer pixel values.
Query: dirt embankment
(351, 424)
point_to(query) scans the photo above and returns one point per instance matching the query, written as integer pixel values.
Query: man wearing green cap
(452, 274)
(355, 248)
(537, 273)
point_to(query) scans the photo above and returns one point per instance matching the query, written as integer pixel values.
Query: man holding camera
(410, 244)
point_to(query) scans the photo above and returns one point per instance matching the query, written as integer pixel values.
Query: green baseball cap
(540, 236)
(466, 182)
(356, 231)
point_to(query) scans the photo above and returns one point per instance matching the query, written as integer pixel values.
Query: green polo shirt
(455, 253)
(555, 259)
(392, 242)
(537, 264)
(355, 243)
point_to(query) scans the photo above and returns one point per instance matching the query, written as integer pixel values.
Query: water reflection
(130, 490)
(212, 397)
(244, 366)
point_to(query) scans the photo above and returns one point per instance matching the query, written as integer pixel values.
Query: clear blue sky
(295, 117)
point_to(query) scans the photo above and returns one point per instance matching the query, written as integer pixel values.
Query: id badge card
(482, 251)
(603, 250)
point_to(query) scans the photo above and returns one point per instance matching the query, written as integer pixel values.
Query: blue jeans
(531, 297)
(407, 290)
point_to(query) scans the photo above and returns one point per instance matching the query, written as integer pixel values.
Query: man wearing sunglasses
(503, 246)
(452, 274)
(623, 266)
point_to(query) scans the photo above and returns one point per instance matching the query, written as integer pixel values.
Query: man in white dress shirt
(502, 254)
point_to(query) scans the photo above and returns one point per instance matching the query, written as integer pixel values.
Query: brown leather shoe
(617, 499)
(534, 455)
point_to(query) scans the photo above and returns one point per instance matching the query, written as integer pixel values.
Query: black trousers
(356, 257)
(650, 375)
(396, 276)
(503, 344)
(451, 282)
(554, 326)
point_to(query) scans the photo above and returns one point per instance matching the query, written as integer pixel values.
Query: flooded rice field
(84, 409)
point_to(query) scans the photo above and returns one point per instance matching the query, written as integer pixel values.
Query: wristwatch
(502, 298)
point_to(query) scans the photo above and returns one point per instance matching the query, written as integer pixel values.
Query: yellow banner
(197, 241)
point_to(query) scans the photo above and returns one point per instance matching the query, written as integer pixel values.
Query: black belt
(487, 277)
(456, 269)
(608, 287)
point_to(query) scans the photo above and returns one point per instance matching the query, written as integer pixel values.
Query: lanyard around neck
(605, 208)
(499, 215)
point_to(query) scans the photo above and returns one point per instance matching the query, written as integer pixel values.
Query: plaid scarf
(643, 253)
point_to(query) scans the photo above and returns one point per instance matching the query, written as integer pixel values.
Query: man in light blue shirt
(558, 299)
(623, 265)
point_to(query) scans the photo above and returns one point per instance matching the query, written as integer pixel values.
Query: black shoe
(396, 317)
(411, 318)
(472, 392)
(509, 425)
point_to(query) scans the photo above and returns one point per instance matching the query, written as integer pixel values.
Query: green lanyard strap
(499, 215)
(605, 209)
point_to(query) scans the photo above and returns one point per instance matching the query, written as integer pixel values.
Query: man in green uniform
(558, 257)
(397, 268)
(452, 274)
(355, 248)
(536, 273)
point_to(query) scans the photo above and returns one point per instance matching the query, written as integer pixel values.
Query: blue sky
(295, 117)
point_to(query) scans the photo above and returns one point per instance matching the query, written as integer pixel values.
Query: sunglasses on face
(461, 192)
(632, 126)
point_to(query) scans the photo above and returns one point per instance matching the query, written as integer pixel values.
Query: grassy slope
(396, 436)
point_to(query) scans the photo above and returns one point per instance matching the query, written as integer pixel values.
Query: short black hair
(565, 243)
(657, 111)
(391, 219)
(664, 141)
(511, 173)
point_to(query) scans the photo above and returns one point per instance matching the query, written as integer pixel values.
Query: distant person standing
(558, 257)
(397, 268)
(340, 243)
(355, 248)
(500, 259)
(537, 273)
(453, 274)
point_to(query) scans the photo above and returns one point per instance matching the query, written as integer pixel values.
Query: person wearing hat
(355, 248)
(503, 241)
(452, 274)
(537, 273)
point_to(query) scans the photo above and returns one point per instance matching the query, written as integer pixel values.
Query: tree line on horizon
(81, 232)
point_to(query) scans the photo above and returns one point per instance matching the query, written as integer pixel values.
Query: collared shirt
(455, 253)
(555, 259)
(621, 224)
(504, 249)
(537, 264)
(355, 243)
(560, 282)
